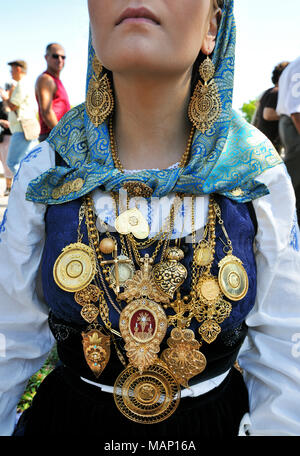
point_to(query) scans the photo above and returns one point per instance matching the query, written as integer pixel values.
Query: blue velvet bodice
(61, 230)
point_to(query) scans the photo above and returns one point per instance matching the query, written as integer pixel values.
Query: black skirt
(65, 405)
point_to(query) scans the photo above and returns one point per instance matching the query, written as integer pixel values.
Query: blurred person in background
(288, 108)
(5, 135)
(50, 92)
(266, 118)
(21, 117)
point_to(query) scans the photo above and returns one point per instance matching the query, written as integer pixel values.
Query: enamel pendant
(96, 348)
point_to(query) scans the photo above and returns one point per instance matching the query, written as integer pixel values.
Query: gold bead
(107, 246)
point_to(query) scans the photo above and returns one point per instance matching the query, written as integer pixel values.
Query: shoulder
(45, 81)
(37, 161)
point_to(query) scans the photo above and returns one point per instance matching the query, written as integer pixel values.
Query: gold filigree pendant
(85, 298)
(99, 98)
(183, 357)
(143, 325)
(96, 348)
(148, 398)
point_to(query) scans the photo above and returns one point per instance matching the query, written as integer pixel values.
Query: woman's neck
(151, 123)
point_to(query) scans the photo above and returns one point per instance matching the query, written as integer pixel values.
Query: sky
(267, 33)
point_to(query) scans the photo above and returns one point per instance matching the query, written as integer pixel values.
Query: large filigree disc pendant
(149, 398)
(233, 278)
(75, 267)
(183, 357)
(143, 325)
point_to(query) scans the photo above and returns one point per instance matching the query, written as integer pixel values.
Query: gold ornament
(67, 188)
(75, 267)
(143, 285)
(96, 348)
(115, 271)
(85, 298)
(205, 106)
(183, 357)
(137, 189)
(99, 99)
(143, 325)
(132, 221)
(233, 278)
(203, 255)
(107, 246)
(149, 398)
(170, 275)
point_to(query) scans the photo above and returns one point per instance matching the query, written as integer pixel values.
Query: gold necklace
(118, 163)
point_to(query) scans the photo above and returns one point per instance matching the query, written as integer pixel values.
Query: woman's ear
(209, 41)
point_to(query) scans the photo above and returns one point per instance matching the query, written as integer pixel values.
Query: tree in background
(248, 110)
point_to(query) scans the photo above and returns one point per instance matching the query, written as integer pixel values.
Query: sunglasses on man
(57, 56)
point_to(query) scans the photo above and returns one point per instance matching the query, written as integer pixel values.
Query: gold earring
(205, 106)
(99, 99)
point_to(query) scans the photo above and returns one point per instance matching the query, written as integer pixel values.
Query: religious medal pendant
(75, 267)
(143, 325)
(85, 298)
(143, 322)
(133, 222)
(96, 348)
(233, 278)
(169, 275)
(121, 269)
(183, 357)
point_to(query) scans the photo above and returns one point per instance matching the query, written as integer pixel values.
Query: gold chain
(117, 162)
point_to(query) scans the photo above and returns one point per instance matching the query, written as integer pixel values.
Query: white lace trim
(132, 171)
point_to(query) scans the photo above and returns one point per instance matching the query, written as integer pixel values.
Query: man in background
(51, 95)
(267, 119)
(288, 108)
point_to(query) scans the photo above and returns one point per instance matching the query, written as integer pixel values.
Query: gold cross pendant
(122, 269)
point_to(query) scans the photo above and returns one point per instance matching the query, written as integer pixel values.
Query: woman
(137, 233)
(5, 135)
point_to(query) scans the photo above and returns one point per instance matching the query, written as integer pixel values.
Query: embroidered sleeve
(25, 338)
(269, 357)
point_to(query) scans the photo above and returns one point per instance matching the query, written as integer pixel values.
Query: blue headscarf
(225, 160)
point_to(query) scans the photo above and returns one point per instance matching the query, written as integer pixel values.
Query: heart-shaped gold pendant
(170, 275)
(132, 221)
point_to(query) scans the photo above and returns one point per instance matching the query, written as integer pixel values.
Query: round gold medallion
(208, 290)
(233, 279)
(203, 255)
(148, 398)
(75, 267)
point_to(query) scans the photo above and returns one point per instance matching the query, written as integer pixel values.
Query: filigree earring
(205, 106)
(99, 99)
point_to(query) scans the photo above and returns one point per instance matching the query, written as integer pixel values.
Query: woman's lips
(136, 15)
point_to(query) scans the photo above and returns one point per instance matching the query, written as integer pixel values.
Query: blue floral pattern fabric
(230, 155)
